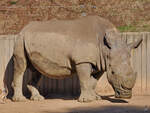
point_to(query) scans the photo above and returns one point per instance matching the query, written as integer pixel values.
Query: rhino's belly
(49, 68)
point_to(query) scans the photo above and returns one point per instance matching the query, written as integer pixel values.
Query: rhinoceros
(86, 46)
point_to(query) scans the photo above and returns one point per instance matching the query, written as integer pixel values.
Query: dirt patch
(138, 104)
(127, 15)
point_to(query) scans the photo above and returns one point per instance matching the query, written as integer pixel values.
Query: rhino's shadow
(113, 100)
(75, 97)
(8, 77)
(62, 96)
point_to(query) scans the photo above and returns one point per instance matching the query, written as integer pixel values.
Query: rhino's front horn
(135, 44)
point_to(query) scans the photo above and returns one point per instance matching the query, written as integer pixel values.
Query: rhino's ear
(107, 41)
(135, 44)
(111, 38)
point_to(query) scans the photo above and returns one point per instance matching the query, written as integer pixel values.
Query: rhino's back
(82, 28)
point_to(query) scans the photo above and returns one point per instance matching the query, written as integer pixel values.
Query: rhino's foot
(35, 93)
(88, 97)
(37, 98)
(98, 97)
(18, 98)
(3, 94)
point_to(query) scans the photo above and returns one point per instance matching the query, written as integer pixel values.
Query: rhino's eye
(112, 72)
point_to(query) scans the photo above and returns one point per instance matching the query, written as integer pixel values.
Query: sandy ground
(138, 104)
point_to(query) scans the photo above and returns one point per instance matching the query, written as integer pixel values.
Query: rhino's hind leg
(33, 85)
(35, 95)
(19, 69)
(87, 83)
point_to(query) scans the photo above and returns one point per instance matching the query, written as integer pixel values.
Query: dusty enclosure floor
(138, 104)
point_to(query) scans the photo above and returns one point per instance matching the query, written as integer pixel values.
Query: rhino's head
(120, 74)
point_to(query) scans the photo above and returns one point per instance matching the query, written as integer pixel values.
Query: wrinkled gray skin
(87, 46)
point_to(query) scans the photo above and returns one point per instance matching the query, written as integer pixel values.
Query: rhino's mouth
(121, 87)
(123, 92)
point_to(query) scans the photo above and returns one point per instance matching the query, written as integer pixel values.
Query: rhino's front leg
(87, 83)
